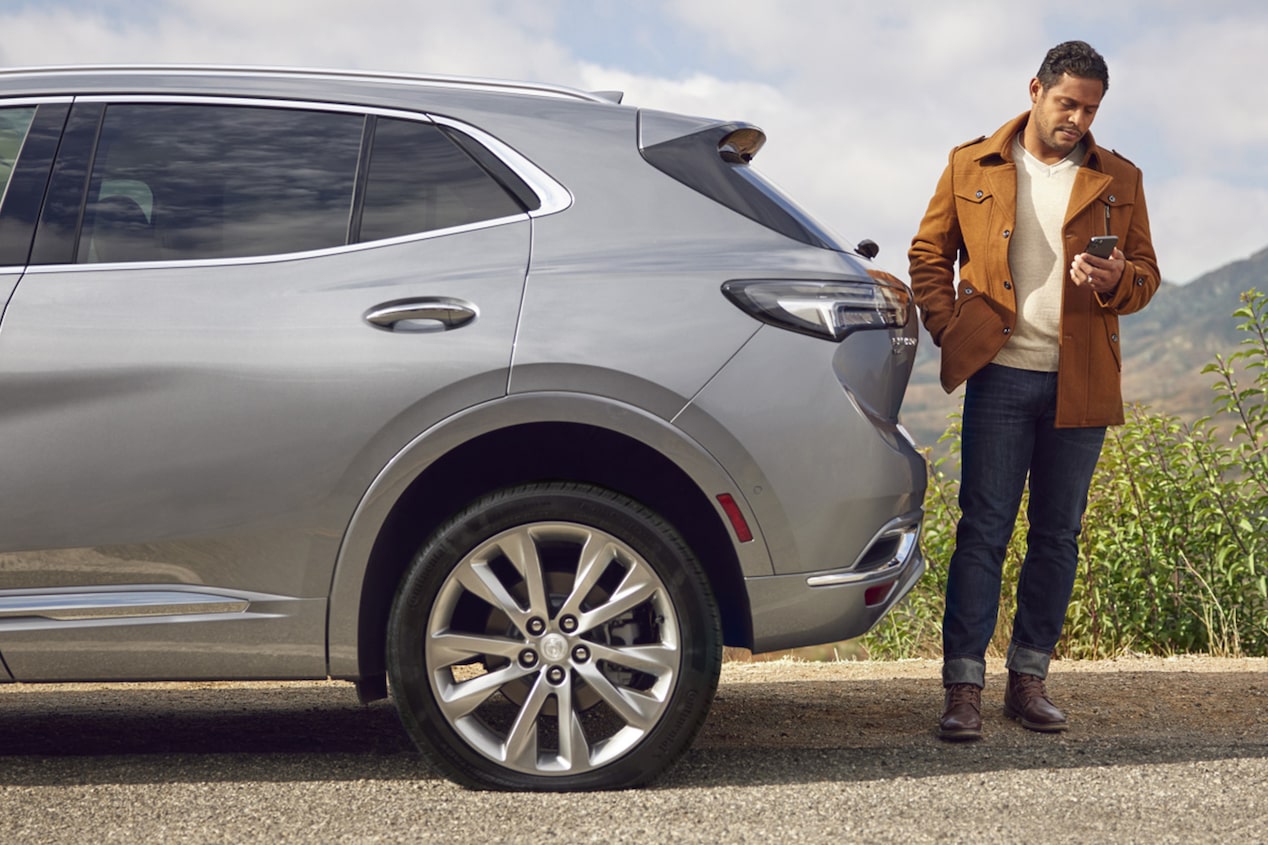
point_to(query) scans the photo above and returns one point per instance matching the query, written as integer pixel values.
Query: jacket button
(1112, 198)
(1007, 330)
(1140, 280)
(1007, 233)
(1114, 338)
(978, 194)
(1008, 285)
(968, 291)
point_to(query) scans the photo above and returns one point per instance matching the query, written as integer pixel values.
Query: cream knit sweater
(1036, 258)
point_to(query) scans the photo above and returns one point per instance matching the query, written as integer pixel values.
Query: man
(1032, 326)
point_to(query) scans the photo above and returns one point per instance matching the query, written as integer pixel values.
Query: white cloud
(1200, 87)
(1200, 222)
(476, 37)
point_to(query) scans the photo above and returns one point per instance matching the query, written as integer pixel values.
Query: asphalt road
(1159, 752)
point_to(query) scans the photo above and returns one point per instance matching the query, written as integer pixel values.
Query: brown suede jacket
(970, 220)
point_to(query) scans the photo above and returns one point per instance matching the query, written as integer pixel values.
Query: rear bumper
(790, 611)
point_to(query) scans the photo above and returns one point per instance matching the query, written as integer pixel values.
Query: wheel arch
(450, 466)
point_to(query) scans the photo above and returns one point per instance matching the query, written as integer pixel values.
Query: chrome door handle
(437, 313)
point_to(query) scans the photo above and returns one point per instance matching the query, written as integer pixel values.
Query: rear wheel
(554, 636)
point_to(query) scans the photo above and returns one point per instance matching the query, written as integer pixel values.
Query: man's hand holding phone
(1100, 265)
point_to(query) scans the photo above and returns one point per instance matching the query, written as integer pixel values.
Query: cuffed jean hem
(964, 670)
(1027, 661)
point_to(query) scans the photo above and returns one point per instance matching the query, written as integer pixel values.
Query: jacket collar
(999, 146)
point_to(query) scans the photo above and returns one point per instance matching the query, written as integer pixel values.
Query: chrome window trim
(34, 100)
(240, 100)
(554, 196)
(271, 258)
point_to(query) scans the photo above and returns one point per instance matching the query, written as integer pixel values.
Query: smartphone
(1102, 246)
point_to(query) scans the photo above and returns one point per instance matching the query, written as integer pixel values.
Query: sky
(861, 100)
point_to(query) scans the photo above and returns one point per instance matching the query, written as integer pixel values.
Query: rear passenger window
(14, 123)
(179, 181)
(419, 181)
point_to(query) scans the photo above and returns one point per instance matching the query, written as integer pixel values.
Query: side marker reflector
(738, 523)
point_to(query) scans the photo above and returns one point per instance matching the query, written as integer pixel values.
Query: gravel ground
(1159, 751)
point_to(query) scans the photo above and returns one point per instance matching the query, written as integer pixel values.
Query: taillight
(829, 310)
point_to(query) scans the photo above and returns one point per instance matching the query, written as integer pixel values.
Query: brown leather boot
(1026, 700)
(961, 714)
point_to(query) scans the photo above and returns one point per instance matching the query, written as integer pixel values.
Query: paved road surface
(1161, 751)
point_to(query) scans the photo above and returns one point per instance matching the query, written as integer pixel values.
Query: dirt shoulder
(1164, 705)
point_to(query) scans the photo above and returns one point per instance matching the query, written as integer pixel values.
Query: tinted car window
(13, 125)
(419, 180)
(201, 182)
(18, 201)
(497, 168)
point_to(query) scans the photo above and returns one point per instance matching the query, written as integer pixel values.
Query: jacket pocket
(972, 338)
(1117, 207)
(972, 195)
(972, 191)
(1112, 340)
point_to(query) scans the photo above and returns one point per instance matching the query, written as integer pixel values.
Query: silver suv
(509, 401)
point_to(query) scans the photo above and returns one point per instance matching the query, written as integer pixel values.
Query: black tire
(618, 631)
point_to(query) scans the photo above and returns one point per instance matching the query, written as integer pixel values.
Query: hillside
(1165, 347)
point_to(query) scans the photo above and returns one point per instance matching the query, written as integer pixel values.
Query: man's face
(1061, 115)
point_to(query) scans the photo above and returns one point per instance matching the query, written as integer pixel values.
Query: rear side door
(234, 314)
(29, 133)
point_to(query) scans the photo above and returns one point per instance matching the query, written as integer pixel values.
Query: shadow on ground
(781, 732)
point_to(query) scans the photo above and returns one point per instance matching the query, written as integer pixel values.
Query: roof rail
(439, 80)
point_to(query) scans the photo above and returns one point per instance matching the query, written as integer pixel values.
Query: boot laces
(1029, 687)
(963, 694)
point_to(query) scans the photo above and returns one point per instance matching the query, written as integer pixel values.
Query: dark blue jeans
(1008, 434)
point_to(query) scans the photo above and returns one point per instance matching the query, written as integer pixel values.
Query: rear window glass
(210, 181)
(419, 181)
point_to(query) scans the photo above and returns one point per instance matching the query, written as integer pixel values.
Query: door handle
(437, 313)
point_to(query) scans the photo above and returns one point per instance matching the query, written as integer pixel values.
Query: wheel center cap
(554, 647)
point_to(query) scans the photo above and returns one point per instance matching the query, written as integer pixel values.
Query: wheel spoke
(636, 709)
(638, 585)
(479, 579)
(596, 553)
(521, 739)
(458, 698)
(521, 549)
(653, 659)
(574, 750)
(446, 649)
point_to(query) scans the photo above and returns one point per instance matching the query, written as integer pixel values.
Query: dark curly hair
(1076, 58)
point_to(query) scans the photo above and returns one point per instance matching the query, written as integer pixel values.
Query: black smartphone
(1102, 246)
